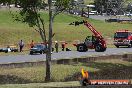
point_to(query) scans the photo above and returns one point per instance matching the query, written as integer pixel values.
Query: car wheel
(44, 52)
(41, 52)
(31, 53)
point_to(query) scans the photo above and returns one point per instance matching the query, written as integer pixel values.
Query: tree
(60, 5)
(99, 4)
(109, 6)
(29, 13)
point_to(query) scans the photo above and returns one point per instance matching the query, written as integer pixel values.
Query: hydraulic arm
(99, 44)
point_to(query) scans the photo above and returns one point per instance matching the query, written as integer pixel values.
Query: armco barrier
(127, 57)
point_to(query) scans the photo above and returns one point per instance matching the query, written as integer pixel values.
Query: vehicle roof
(123, 31)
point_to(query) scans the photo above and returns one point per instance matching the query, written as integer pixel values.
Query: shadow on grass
(11, 79)
(106, 71)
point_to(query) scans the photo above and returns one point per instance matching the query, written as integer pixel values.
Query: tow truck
(123, 38)
(96, 41)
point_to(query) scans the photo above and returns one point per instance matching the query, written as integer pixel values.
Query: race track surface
(61, 55)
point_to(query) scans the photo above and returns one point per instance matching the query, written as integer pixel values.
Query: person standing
(21, 45)
(56, 46)
(63, 45)
(32, 44)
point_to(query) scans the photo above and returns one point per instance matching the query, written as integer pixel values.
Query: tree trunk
(16, 1)
(48, 67)
(48, 54)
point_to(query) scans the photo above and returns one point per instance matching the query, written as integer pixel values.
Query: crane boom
(88, 25)
(98, 43)
(95, 32)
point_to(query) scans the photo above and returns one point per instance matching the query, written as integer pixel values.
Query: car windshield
(121, 35)
(39, 46)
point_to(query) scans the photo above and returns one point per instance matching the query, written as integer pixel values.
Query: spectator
(32, 44)
(21, 45)
(63, 46)
(56, 46)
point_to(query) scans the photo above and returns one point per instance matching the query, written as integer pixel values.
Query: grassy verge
(73, 84)
(107, 69)
(33, 76)
(37, 74)
(12, 32)
(43, 85)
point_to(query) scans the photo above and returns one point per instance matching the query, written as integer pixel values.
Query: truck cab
(123, 38)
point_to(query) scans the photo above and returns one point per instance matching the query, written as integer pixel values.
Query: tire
(41, 52)
(99, 48)
(82, 48)
(117, 46)
(130, 45)
(103, 49)
(31, 53)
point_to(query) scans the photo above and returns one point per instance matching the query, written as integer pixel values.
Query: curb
(126, 57)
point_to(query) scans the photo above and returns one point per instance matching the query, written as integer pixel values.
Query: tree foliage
(60, 5)
(30, 13)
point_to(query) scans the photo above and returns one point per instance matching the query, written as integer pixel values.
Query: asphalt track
(61, 55)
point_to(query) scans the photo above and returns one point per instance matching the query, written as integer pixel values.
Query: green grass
(33, 77)
(43, 85)
(37, 74)
(72, 72)
(11, 31)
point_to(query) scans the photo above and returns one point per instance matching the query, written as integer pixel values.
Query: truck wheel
(82, 48)
(104, 49)
(129, 46)
(98, 48)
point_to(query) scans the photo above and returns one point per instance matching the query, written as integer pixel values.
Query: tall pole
(48, 54)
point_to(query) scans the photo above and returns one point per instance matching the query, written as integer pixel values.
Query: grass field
(12, 32)
(64, 75)
(104, 69)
